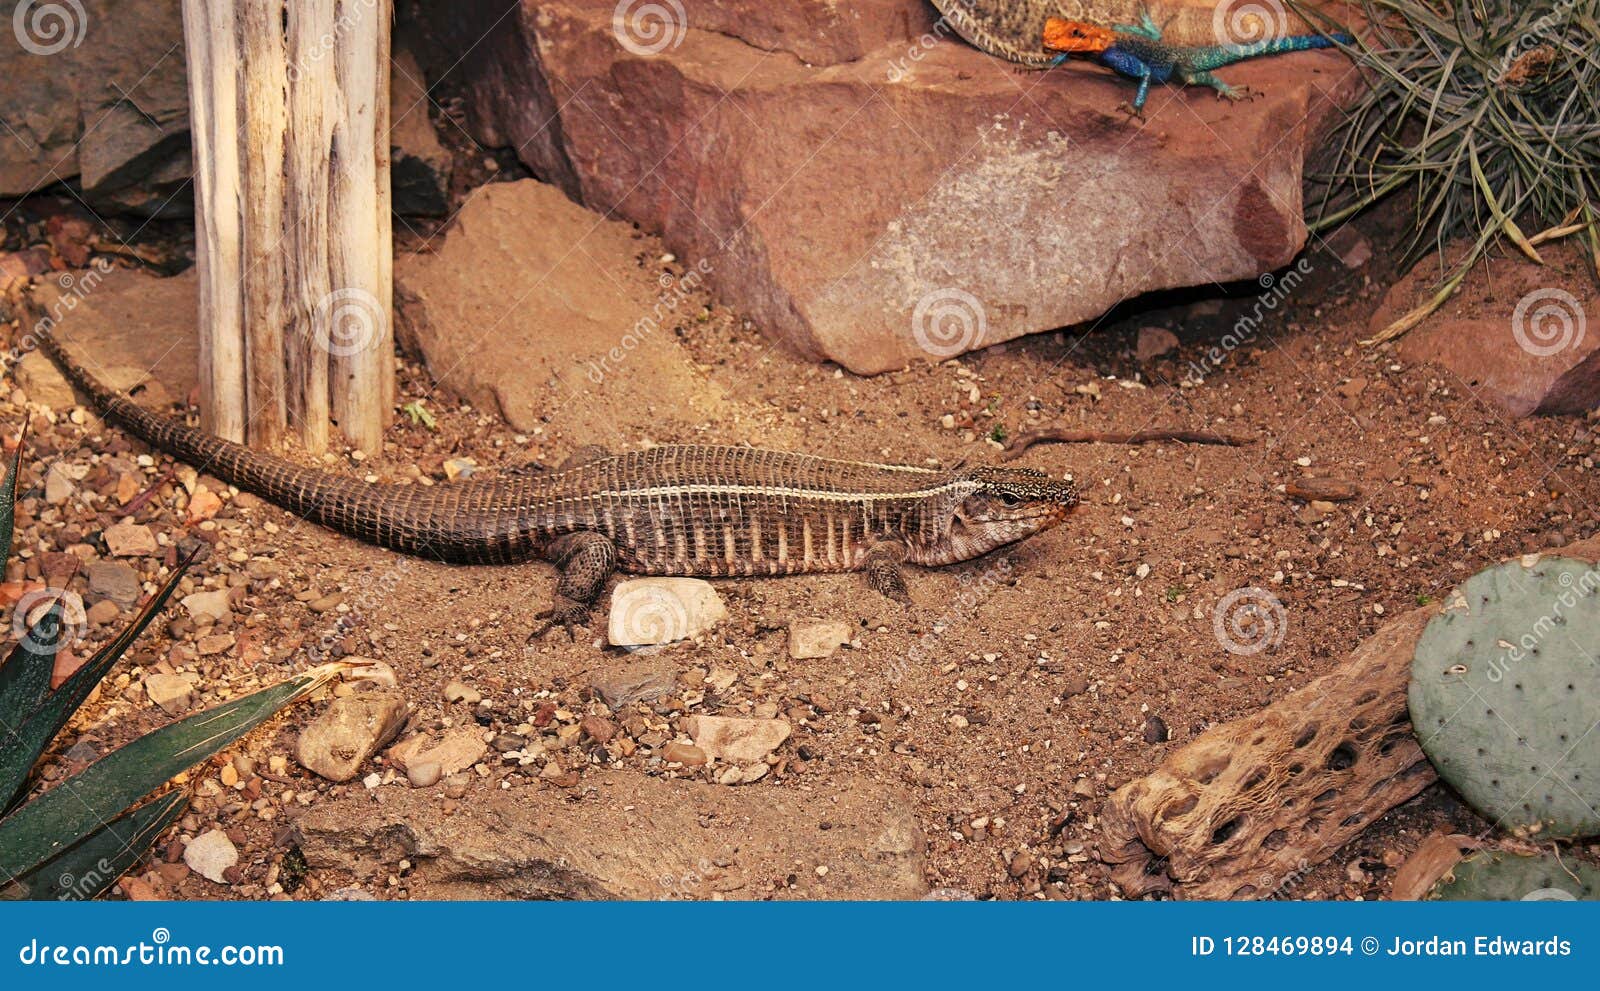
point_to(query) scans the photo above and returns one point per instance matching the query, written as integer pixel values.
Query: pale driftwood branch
(214, 124)
(1252, 804)
(290, 108)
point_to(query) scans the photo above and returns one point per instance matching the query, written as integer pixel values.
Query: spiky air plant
(1488, 113)
(74, 840)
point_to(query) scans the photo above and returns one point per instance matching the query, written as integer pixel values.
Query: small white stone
(650, 611)
(209, 854)
(207, 605)
(815, 638)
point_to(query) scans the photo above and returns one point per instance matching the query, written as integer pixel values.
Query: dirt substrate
(999, 712)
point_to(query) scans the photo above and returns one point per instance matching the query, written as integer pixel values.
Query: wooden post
(290, 109)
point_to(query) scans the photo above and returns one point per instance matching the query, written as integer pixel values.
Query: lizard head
(1076, 36)
(1005, 505)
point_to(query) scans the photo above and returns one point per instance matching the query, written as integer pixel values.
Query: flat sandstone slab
(630, 837)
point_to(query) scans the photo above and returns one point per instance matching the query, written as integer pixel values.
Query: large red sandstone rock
(876, 194)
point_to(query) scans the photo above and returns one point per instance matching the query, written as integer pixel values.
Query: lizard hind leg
(583, 455)
(580, 456)
(586, 560)
(1224, 91)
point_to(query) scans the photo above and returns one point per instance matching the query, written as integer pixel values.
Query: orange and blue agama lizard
(1137, 51)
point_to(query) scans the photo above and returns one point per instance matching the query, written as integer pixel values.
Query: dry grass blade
(1488, 112)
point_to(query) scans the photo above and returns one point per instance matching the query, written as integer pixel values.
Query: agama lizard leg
(1224, 91)
(1140, 72)
(1147, 27)
(882, 565)
(586, 560)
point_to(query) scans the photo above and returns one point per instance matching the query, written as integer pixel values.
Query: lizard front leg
(882, 565)
(586, 560)
(1132, 66)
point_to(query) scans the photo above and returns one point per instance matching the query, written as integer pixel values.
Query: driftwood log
(290, 110)
(1252, 804)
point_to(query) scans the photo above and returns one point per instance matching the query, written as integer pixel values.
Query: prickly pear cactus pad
(1498, 876)
(1505, 695)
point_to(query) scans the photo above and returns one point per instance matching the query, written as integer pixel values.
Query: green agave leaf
(21, 747)
(24, 681)
(80, 805)
(93, 866)
(8, 499)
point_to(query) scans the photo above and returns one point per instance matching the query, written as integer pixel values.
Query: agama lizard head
(1006, 505)
(1076, 36)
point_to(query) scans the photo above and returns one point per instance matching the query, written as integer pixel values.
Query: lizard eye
(1010, 499)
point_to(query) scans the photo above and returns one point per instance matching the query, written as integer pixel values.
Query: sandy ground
(1019, 691)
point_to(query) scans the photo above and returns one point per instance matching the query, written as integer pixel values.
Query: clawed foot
(566, 613)
(900, 595)
(885, 578)
(1238, 93)
(1134, 113)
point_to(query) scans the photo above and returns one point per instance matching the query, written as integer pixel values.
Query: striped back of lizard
(683, 510)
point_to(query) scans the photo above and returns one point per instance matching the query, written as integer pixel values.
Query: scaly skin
(1140, 52)
(1013, 29)
(671, 510)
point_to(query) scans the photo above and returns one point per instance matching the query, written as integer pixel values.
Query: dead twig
(142, 500)
(1032, 437)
